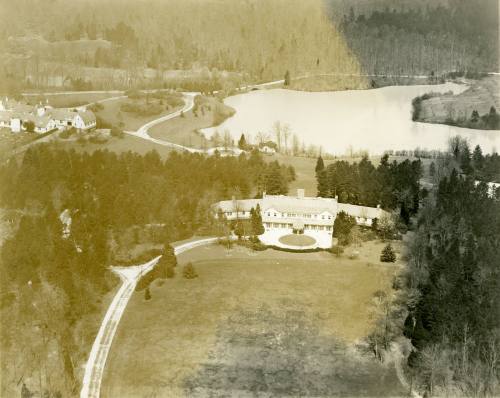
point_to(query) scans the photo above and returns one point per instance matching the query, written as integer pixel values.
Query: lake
(373, 120)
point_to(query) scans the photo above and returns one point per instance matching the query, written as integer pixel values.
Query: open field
(68, 100)
(113, 113)
(254, 324)
(118, 145)
(480, 96)
(208, 112)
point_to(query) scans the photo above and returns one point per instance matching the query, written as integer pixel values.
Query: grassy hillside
(448, 108)
(275, 323)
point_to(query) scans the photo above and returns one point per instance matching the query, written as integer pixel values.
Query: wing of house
(84, 120)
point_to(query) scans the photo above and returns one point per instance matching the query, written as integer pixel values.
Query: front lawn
(253, 323)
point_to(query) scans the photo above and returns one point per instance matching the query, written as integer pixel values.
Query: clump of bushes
(116, 132)
(337, 250)
(170, 272)
(134, 94)
(142, 110)
(189, 272)
(95, 107)
(388, 254)
(67, 133)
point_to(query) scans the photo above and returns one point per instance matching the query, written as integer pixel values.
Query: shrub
(337, 250)
(97, 139)
(141, 110)
(101, 123)
(353, 255)
(116, 132)
(189, 272)
(81, 140)
(67, 133)
(170, 272)
(388, 255)
(147, 294)
(134, 94)
(95, 107)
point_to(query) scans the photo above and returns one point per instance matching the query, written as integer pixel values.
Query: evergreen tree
(147, 294)
(256, 220)
(287, 78)
(189, 272)
(388, 255)
(320, 165)
(477, 158)
(432, 169)
(342, 227)
(242, 143)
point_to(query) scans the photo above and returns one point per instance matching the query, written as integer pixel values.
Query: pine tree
(256, 219)
(388, 255)
(320, 165)
(242, 143)
(147, 294)
(432, 169)
(287, 78)
(477, 158)
(167, 262)
(189, 272)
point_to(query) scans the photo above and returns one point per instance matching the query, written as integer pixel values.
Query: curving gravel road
(142, 132)
(94, 369)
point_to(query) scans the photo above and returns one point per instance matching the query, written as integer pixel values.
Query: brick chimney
(300, 193)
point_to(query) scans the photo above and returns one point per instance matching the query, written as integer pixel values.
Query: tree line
(453, 283)
(53, 285)
(390, 185)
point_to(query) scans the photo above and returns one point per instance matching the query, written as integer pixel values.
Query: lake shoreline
(371, 120)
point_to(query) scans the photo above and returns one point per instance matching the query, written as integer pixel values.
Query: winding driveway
(94, 369)
(142, 132)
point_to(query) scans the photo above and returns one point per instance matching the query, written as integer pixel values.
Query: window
(274, 214)
(268, 214)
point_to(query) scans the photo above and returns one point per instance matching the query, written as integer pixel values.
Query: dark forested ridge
(53, 285)
(124, 43)
(421, 38)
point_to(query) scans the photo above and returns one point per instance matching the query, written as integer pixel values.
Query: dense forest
(390, 185)
(254, 40)
(459, 35)
(454, 283)
(53, 282)
(117, 43)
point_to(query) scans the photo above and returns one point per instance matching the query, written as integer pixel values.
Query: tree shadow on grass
(267, 353)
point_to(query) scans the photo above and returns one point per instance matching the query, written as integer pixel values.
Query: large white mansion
(285, 215)
(15, 115)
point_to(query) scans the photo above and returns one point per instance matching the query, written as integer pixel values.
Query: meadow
(268, 323)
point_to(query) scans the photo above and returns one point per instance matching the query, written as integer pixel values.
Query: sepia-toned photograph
(249, 198)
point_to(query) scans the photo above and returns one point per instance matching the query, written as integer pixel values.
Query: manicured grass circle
(297, 240)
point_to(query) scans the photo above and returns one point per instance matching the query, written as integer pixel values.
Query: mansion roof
(291, 207)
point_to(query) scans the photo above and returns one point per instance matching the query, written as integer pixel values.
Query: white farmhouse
(285, 215)
(84, 120)
(267, 149)
(15, 115)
